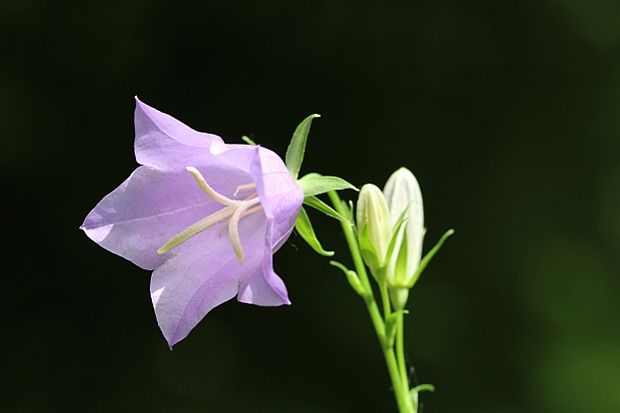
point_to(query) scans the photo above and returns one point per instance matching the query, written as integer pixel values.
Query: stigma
(231, 213)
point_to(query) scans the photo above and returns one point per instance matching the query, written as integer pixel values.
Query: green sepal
(369, 253)
(304, 228)
(429, 256)
(248, 140)
(417, 389)
(395, 232)
(352, 278)
(297, 147)
(321, 206)
(316, 184)
(391, 326)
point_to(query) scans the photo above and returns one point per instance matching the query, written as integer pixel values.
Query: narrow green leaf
(247, 140)
(417, 389)
(316, 184)
(352, 278)
(321, 206)
(297, 147)
(304, 228)
(429, 256)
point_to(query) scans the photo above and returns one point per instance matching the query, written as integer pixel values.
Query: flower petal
(150, 207)
(164, 143)
(264, 287)
(280, 195)
(203, 275)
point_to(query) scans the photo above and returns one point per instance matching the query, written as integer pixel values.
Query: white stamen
(233, 211)
(233, 228)
(213, 194)
(196, 228)
(244, 187)
(233, 233)
(245, 214)
(252, 210)
(251, 196)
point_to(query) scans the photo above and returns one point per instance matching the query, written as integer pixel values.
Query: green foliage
(297, 147)
(321, 206)
(429, 256)
(305, 230)
(316, 184)
(416, 390)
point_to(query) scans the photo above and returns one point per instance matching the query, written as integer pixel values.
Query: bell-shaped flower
(403, 196)
(204, 215)
(374, 226)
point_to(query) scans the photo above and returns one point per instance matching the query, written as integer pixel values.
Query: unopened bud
(375, 226)
(403, 196)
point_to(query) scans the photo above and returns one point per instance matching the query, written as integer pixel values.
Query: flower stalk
(388, 240)
(401, 389)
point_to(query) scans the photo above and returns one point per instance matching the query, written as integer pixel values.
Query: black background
(507, 112)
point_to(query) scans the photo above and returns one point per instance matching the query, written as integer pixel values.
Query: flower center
(232, 212)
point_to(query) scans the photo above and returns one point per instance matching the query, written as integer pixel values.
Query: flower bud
(375, 226)
(403, 195)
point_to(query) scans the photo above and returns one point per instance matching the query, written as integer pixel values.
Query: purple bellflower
(206, 216)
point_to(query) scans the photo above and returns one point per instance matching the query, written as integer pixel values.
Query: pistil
(233, 211)
(196, 228)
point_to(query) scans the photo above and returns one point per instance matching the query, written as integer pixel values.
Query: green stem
(402, 398)
(400, 355)
(385, 298)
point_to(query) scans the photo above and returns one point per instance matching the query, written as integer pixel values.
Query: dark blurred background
(507, 112)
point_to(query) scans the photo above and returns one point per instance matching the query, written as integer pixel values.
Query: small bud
(403, 195)
(375, 225)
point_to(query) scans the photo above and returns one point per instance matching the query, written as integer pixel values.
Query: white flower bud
(375, 225)
(402, 193)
